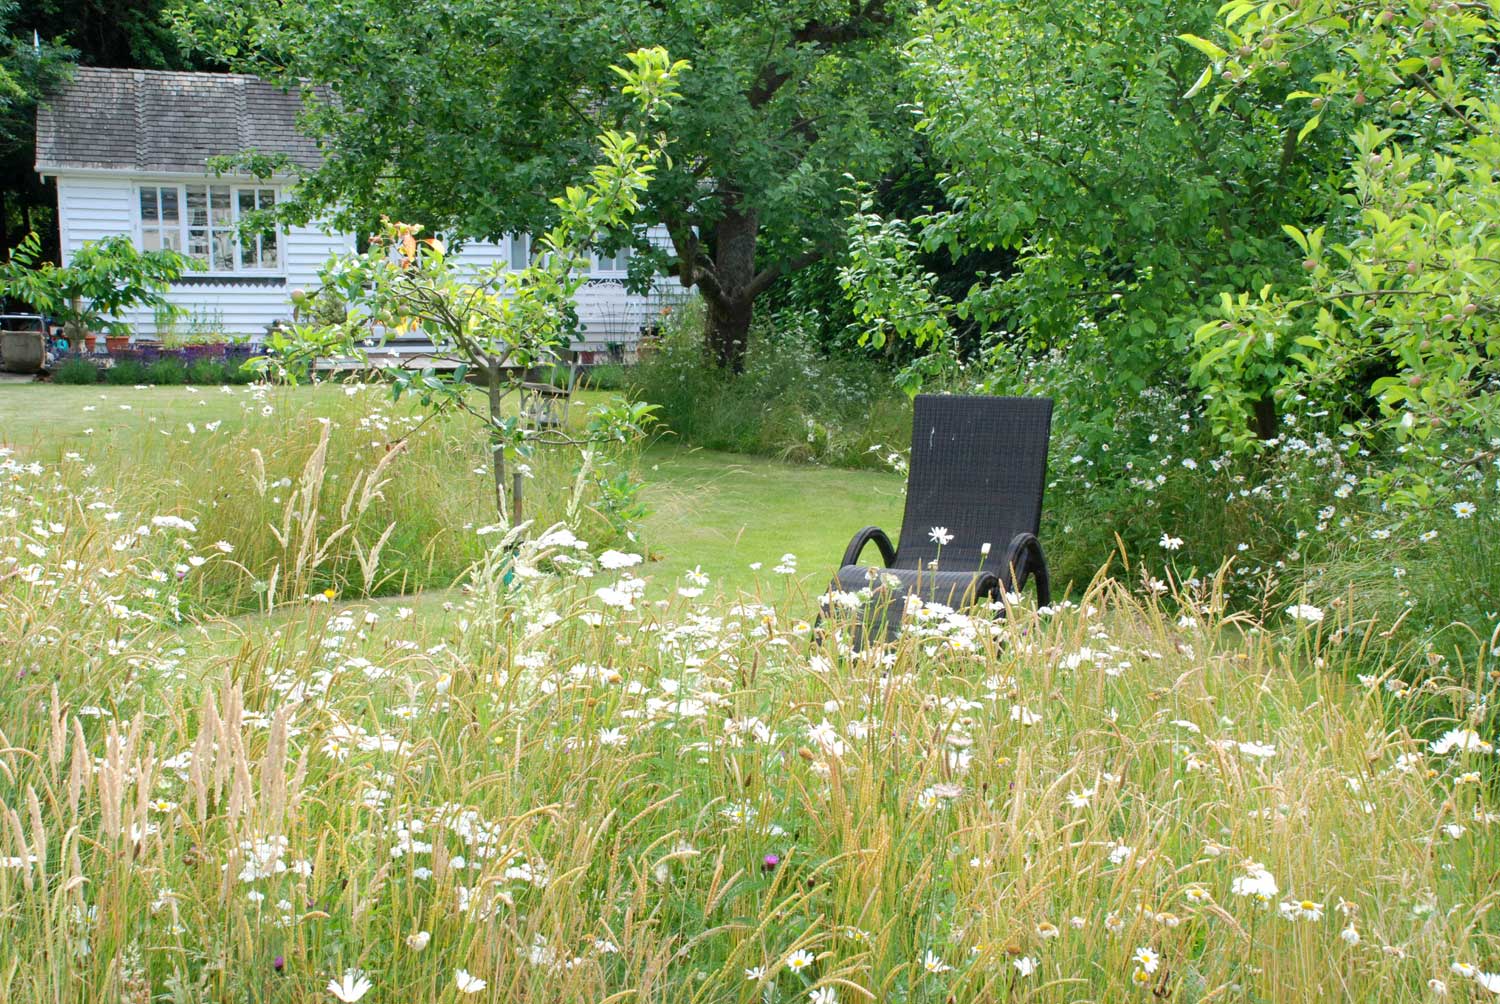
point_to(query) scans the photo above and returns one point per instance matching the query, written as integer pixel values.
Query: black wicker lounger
(978, 470)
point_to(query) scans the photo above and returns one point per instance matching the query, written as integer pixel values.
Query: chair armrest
(1024, 558)
(865, 536)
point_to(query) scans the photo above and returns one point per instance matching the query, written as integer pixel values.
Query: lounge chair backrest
(978, 467)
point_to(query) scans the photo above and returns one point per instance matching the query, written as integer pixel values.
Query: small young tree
(104, 279)
(498, 322)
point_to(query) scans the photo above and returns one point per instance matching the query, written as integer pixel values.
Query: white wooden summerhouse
(128, 151)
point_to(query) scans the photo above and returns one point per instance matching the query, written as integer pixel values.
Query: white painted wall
(94, 206)
(608, 313)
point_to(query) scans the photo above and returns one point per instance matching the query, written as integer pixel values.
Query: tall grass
(581, 788)
(333, 490)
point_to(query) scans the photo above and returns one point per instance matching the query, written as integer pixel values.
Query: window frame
(184, 229)
(611, 270)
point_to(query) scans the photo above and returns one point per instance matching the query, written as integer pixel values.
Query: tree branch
(776, 270)
(823, 35)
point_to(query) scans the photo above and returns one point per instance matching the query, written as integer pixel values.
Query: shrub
(557, 375)
(125, 373)
(791, 402)
(208, 372)
(240, 373)
(167, 371)
(76, 371)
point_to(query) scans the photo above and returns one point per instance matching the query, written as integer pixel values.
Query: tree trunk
(730, 307)
(729, 333)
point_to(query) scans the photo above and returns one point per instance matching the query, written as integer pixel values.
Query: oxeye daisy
(1146, 958)
(468, 983)
(799, 960)
(351, 987)
(933, 963)
(940, 536)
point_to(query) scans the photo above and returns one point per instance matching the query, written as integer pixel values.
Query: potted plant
(104, 279)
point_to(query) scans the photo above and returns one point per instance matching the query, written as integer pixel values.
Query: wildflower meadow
(573, 778)
(458, 618)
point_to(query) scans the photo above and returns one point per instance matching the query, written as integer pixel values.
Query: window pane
(247, 252)
(219, 203)
(268, 249)
(267, 198)
(197, 239)
(518, 251)
(247, 201)
(222, 244)
(171, 238)
(197, 208)
(148, 205)
(169, 205)
(150, 239)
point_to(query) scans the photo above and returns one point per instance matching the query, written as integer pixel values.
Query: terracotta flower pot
(91, 342)
(116, 343)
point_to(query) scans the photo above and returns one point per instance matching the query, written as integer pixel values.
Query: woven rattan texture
(952, 589)
(978, 468)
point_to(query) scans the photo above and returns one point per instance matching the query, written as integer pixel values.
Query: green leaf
(1204, 46)
(1200, 83)
(1310, 125)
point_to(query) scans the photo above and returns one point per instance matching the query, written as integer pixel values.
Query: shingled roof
(156, 121)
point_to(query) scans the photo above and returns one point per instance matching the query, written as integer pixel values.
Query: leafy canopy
(466, 114)
(1069, 133)
(1402, 288)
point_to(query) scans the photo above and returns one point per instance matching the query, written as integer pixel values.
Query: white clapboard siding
(92, 207)
(608, 314)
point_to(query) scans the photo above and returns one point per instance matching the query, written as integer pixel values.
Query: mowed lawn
(719, 512)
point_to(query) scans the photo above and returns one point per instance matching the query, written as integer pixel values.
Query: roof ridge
(139, 71)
